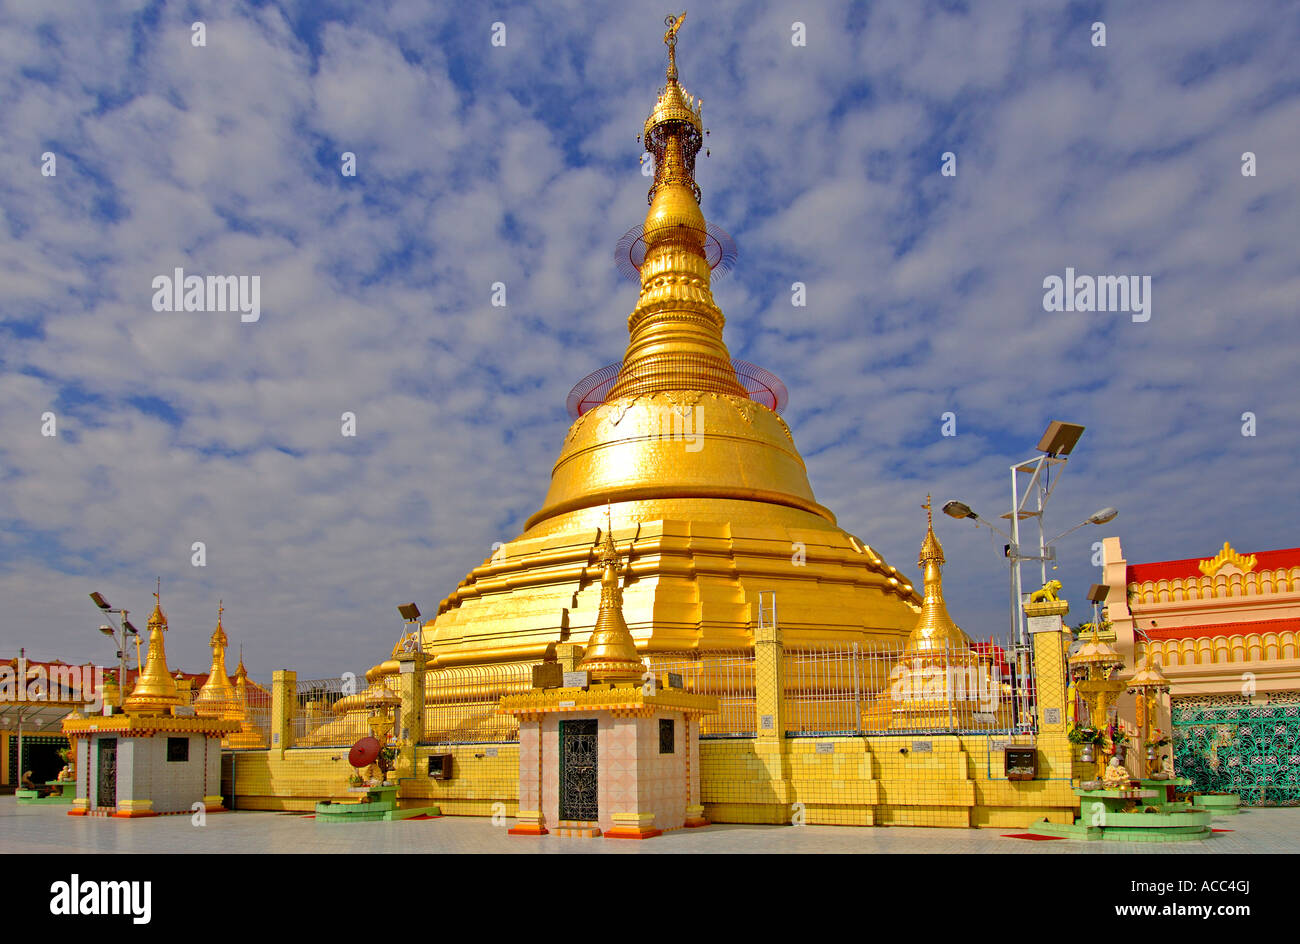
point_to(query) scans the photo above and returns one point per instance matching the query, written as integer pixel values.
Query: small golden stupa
(611, 654)
(248, 736)
(217, 697)
(155, 690)
(935, 631)
(939, 680)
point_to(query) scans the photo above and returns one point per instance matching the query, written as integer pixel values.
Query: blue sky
(519, 164)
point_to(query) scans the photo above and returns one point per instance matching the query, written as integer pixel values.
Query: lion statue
(1047, 594)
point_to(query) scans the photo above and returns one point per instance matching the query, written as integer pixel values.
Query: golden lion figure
(1048, 594)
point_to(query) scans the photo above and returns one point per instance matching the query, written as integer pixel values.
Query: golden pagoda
(935, 632)
(217, 698)
(248, 736)
(155, 689)
(939, 681)
(709, 520)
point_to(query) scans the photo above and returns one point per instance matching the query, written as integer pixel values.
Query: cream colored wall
(1207, 665)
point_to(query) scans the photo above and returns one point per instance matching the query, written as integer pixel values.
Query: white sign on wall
(1043, 624)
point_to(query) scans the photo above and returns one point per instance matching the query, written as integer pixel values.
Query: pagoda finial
(676, 327)
(674, 23)
(931, 549)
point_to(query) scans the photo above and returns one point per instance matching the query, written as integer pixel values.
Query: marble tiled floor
(49, 829)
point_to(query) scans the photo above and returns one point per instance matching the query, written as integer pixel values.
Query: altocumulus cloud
(518, 164)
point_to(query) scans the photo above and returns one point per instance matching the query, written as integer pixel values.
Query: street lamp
(126, 630)
(1055, 446)
(411, 615)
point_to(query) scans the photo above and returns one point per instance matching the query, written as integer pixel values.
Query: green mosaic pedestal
(377, 804)
(1165, 791)
(1137, 814)
(65, 791)
(1217, 804)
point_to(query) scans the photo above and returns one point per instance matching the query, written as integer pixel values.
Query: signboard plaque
(1043, 624)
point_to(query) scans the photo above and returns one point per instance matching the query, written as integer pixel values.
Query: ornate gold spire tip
(931, 549)
(674, 23)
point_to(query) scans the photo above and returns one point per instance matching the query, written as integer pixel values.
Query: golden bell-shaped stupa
(707, 483)
(217, 697)
(155, 690)
(935, 631)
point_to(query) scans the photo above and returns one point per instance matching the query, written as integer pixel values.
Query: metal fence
(850, 689)
(884, 689)
(461, 703)
(257, 711)
(315, 723)
(726, 675)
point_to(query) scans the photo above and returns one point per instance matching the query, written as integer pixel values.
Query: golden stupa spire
(611, 653)
(935, 630)
(676, 327)
(241, 682)
(217, 696)
(155, 689)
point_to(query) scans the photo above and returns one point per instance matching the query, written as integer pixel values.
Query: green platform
(65, 791)
(1166, 791)
(1138, 814)
(1217, 804)
(377, 804)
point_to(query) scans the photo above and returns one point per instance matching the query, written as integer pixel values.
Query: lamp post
(1054, 448)
(127, 630)
(411, 615)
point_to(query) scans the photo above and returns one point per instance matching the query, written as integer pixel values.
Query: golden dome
(935, 630)
(678, 445)
(155, 689)
(611, 654)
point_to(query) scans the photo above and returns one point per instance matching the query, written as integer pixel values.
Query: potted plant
(1088, 738)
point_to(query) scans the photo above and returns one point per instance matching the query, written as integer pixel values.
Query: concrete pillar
(1051, 680)
(694, 808)
(568, 654)
(769, 685)
(769, 711)
(284, 703)
(1051, 683)
(410, 723)
(529, 820)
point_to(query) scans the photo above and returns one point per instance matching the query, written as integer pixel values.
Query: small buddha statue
(1116, 774)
